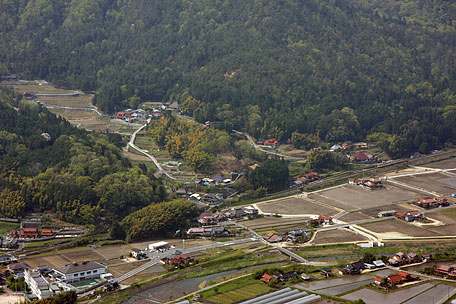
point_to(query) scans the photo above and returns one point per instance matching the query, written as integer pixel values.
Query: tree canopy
(337, 69)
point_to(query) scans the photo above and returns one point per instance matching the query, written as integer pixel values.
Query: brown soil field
(360, 198)
(295, 206)
(84, 255)
(441, 183)
(267, 222)
(373, 212)
(80, 101)
(449, 229)
(51, 261)
(394, 225)
(447, 216)
(444, 164)
(111, 252)
(323, 199)
(121, 269)
(136, 157)
(354, 216)
(336, 236)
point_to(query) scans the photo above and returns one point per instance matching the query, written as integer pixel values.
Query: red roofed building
(378, 280)
(405, 275)
(272, 142)
(47, 232)
(395, 279)
(311, 176)
(266, 278)
(28, 233)
(326, 219)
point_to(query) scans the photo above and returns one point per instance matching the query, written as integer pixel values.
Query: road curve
(256, 147)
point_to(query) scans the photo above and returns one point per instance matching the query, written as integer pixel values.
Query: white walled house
(80, 271)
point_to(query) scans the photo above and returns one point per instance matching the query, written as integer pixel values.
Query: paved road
(131, 144)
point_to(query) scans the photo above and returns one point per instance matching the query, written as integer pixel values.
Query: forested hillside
(48, 165)
(337, 69)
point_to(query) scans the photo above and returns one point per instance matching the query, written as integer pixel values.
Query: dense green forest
(46, 164)
(337, 69)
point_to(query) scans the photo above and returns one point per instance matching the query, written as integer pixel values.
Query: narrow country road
(256, 147)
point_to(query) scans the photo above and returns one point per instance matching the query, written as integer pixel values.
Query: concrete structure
(37, 284)
(76, 272)
(158, 246)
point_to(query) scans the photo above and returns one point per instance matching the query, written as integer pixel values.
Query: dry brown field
(136, 157)
(447, 216)
(394, 225)
(267, 222)
(295, 205)
(337, 236)
(361, 198)
(80, 101)
(444, 164)
(323, 199)
(441, 183)
(110, 252)
(354, 216)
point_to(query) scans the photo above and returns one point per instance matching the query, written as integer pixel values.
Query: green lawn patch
(236, 290)
(239, 294)
(6, 227)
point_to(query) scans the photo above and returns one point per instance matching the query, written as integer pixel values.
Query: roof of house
(78, 267)
(136, 250)
(445, 268)
(378, 262)
(414, 213)
(394, 278)
(378, 279)
(174, 105)
(219, 177)
(361, 157)
(34, 229)
(181, 190)
(403, 273)
(266, 276)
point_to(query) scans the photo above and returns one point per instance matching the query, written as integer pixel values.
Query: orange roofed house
(266, 278)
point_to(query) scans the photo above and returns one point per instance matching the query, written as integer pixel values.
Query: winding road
(256, 147)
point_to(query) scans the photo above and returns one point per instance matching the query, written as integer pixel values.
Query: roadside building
(158, 246)
(137, 253)
(182, 192)
(76, 272)
(379, 263)
(386, 213)
(272, 143)
(40, 287)
(250, 210)
(311, 177)
(288, 276)
(378, 281)
(305, 276)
